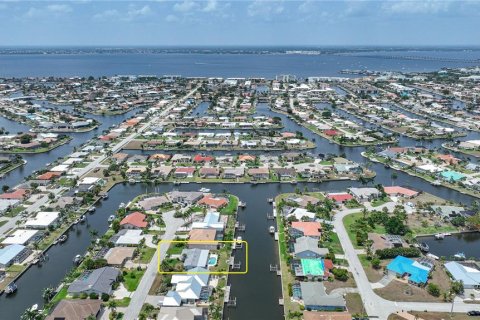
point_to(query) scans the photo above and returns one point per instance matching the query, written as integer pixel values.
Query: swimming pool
(212, 260)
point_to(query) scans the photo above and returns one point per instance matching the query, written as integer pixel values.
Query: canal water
(466, 243)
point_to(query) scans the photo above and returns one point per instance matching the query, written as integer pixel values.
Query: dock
(270, 216)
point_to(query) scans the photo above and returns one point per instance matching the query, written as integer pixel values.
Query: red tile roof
(400, 190)
(17, 194)
(340, 197)
(213, 202)
(49, 175)
(136, 219)
(331, 132)
(200, 158)
(309, 229)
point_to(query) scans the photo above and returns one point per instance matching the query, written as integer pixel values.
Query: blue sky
(218, 22)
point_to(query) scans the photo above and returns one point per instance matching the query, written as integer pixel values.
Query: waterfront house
(14, 253)
(307, 248)
(153, 203)
(202, 159)
(448, 212)
(203, 239)
(305, 229)
(183, 313)
(99, 281)
(119, 158)
(188, 288)
(285, 173)
(127, 238)
(466, 272)
(137, 158)
(340, 197)
(412, 270)
(193, 258)
(184, 172)
(136, 220)
(364, 194)
(400, 192)
(117, 256)
(43, 220)
(159, 157)
(233, 173)
(47, 177)
(299, 214)
(259, 173)
(76, 309)
(380, 242)
(136, 172)
(314, 297)
(6, 204)
(212, 220)
(246, 158)
(22, 236)
(304, 200)
(213, 202)
(181, 158)
(209, 173)
(185, 197)
(18, 194)
(162, 172)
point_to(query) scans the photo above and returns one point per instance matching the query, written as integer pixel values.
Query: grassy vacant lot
(354, 303)
(146, 255)
(350, 219)
(132, 279)
(373, 275)
(231, 208)
(335, 284)
(434, 316)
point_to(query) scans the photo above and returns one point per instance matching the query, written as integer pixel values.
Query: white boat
(34, 307)
(271, 229)
(436, 183)
(62, 238)
(111, 218)
(204, 190)
(11, 288)
(439, 236)
(77, 259)
(104, 195)
(270, 200)
(82, 218)
(239, 239)
(122, 205)
(459, 255)
(91, 209)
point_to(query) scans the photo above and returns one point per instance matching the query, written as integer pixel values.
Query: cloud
(134, 12)
(416, 7)
(59, 8)
(107, 14)
(211, 5)
(171, 18)
(185, 6)
(131, 14)
(265, 9)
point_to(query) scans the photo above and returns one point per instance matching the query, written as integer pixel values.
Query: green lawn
(334, 243)
(379, 202)
(132, 279)
(123, 302)
(62, 294)
(3, 222)
(350, 219)
(146, 254)
(176, 248)
(231, 208)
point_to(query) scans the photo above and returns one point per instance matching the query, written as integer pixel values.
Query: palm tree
(30, 314)
(47, 294)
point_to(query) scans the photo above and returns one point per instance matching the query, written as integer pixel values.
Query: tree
(340, 274)
(47, 294)
(25, 138)
(473, 221)
(30, 314)
(376, 263)
(433, 289)
(457, 287)
(395, 225)
(5, 188)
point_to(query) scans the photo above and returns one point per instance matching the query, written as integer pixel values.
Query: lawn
(350, 219)
(132, 279)
(354, 303)
(176, 247)
(146, 254)
(231, 208)
(3, 222)
(62, 294)
(434, 316)
(379, 202)
(334, 243)
(123, 302)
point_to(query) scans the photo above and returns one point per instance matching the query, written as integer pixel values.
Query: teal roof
(312, 267)
(452, 175)
(417, 273)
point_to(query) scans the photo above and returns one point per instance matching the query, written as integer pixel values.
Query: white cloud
(265, 9)
(417, 7)
(185, 6)
(59, 8)
(211, 5)
(133, 13)
(171, 18)
(107, 14)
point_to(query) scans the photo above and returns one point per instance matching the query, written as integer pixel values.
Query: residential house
(14, 253)
(233, 173)
(285, 173)
(194, 258)
(365, 194)
(340, 197)
(117, 256)
(184, 197)
(76, 309)
(466, 272)
(162, 172)
(305, 229)
(259, 173)
(183, 313)
(209, 173)
(184, 172)
(415, 272)
(326, 315)
(43, 220)
(314, 297)
(136, 220)
(203, 239)
(99, 281)
(213, 202)
(307, 248)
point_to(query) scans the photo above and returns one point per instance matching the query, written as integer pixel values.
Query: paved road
(140, 295)
(376, 306)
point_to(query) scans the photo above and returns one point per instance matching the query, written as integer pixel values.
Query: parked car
(474, 313)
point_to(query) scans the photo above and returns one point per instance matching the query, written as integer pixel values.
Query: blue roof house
(14, 253)
(416, 273)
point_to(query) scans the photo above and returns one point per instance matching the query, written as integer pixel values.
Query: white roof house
(299, 213)
(129, 237)
(60, 168)
(20, 236)
(42, 220)
(90, 180)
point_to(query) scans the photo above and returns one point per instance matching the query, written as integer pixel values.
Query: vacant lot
(335, 284)
(354, 303)
(434, 316)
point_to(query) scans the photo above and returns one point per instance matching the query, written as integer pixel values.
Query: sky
(239, 22)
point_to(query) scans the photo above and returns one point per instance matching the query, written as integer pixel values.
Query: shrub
(340, 274)
(93, 295)
(390, 253)
(105, 297)
(376, 263)
(433, 289)
(83, 295)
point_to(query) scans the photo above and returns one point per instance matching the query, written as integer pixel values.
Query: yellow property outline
(203, 242)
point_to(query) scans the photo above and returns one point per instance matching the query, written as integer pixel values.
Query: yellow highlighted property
(206, 243)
